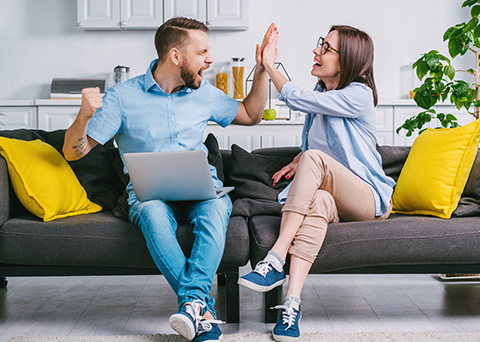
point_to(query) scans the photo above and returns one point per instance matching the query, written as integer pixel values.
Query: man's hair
(356, 58)
(174, 33)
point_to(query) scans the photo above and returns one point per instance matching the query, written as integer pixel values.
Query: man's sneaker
(287, 328)
(185, 320)
(208, 331)
(263, 278)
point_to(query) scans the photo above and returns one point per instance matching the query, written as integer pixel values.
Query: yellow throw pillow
(44, 182)
(436, 171)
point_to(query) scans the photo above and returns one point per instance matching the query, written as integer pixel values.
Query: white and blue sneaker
(186, 320)
(287, 327)
(263, 278)
(208, 331)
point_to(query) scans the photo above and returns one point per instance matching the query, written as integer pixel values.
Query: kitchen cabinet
(18, 116)
(150, 14)
(119, 14)
(51, 118)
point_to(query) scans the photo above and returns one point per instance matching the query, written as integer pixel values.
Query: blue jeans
(190, 278)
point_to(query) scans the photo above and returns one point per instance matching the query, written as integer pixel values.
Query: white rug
(436, 336)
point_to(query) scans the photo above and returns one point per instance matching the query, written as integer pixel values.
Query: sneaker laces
(205, 325)
(195, 310)
(288, 315)
(262, 268)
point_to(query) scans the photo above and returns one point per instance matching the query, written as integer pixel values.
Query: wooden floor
(141, 305)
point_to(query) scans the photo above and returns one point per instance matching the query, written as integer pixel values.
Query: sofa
(106, 243)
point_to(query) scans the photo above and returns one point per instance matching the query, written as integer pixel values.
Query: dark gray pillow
(469, 204)
(251, 174)
(214, 155)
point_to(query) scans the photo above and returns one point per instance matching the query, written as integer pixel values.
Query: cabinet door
(280, 135)
(141, 14)
(18, 117)
(227, 14)
(98, 14)
(196, 9)
(51, 118)
(384, 125)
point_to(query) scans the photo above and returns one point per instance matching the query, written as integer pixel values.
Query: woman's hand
(269, 53)
(287, 171)
(260, 48)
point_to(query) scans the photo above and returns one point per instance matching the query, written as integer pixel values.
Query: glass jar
(120, 73)
(238, 69)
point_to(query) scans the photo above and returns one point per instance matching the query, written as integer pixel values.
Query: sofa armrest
(4, 192)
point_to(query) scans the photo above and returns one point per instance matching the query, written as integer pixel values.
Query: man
(167, 109)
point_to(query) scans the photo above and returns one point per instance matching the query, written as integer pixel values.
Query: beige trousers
(325, 191)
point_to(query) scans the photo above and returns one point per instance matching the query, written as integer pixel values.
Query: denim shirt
(349, 120)
(144, 118)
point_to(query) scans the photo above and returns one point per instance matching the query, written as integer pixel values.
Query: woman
(338, 173)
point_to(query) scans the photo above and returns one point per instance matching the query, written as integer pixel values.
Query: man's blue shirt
(144, 118)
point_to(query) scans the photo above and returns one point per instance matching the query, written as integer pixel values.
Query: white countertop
(77, 102)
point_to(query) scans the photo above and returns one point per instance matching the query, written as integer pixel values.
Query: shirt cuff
(285, 90)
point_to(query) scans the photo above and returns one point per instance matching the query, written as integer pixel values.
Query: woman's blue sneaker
(287, 328)
(263, 278)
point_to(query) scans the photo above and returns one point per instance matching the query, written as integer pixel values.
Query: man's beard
(188, 76)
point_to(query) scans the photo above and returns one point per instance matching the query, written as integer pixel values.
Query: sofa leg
(220, 279)
(3, 282)
(233, 297)
(272, 298)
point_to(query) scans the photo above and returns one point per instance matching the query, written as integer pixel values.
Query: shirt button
(171, 120)
(169, 97)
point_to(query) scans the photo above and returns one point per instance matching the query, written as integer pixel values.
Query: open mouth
(317, 65)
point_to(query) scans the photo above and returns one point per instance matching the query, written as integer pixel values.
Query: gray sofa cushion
(99, 239)
(400, 240)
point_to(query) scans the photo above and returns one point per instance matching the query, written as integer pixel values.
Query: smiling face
(195, 59)
(327, 67)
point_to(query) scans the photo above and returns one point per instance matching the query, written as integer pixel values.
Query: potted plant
(437, 74)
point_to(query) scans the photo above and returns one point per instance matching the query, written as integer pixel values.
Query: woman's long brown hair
(356, 58)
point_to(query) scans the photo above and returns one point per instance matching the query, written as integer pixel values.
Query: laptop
(172, 176)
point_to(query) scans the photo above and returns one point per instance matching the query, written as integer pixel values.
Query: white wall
(39, 40)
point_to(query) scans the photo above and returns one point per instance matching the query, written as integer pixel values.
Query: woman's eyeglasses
(325, 46)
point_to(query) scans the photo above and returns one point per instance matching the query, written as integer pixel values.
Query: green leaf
(471, 24)
(449, 71)
(469, 3)
(476, 31)
(422, 69)
(451, 117)
(475, 11)
(453, 48)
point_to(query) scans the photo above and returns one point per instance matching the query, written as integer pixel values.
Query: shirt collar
(150, 84)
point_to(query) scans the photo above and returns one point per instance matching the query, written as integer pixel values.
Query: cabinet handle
(209, 22)
(123, 23)
(81, 24)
